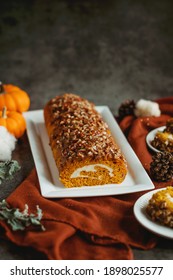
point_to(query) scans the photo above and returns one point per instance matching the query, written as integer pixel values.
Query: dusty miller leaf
(8, 169)
(20, 220)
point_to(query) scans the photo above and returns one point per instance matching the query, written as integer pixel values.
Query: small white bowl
(151, 135)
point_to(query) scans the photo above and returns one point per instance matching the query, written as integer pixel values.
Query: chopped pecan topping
(81, 129)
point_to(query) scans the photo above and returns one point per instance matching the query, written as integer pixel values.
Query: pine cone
(161, 167)
(126, 108)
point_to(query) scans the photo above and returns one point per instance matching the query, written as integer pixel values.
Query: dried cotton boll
(8, 138)
(146, 108)
(7, 144)
(5, 151)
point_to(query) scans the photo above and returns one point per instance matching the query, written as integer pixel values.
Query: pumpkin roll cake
(83, 147)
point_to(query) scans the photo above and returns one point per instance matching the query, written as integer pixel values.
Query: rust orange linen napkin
(95, 227)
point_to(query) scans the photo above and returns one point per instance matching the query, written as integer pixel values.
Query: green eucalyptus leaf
(8, 169)
(19, 220)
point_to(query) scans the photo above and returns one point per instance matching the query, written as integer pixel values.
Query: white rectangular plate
(136, 180)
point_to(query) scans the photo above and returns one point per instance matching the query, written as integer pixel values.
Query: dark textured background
(106, 51)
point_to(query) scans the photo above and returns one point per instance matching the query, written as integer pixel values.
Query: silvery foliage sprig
(19, 220)
(8, 169)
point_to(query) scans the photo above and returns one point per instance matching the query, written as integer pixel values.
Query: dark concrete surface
(106, 51)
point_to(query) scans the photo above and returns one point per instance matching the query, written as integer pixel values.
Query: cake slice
(160, 207)
(163, 140)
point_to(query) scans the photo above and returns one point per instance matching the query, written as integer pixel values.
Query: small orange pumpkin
(13, 121)
(14, 98)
